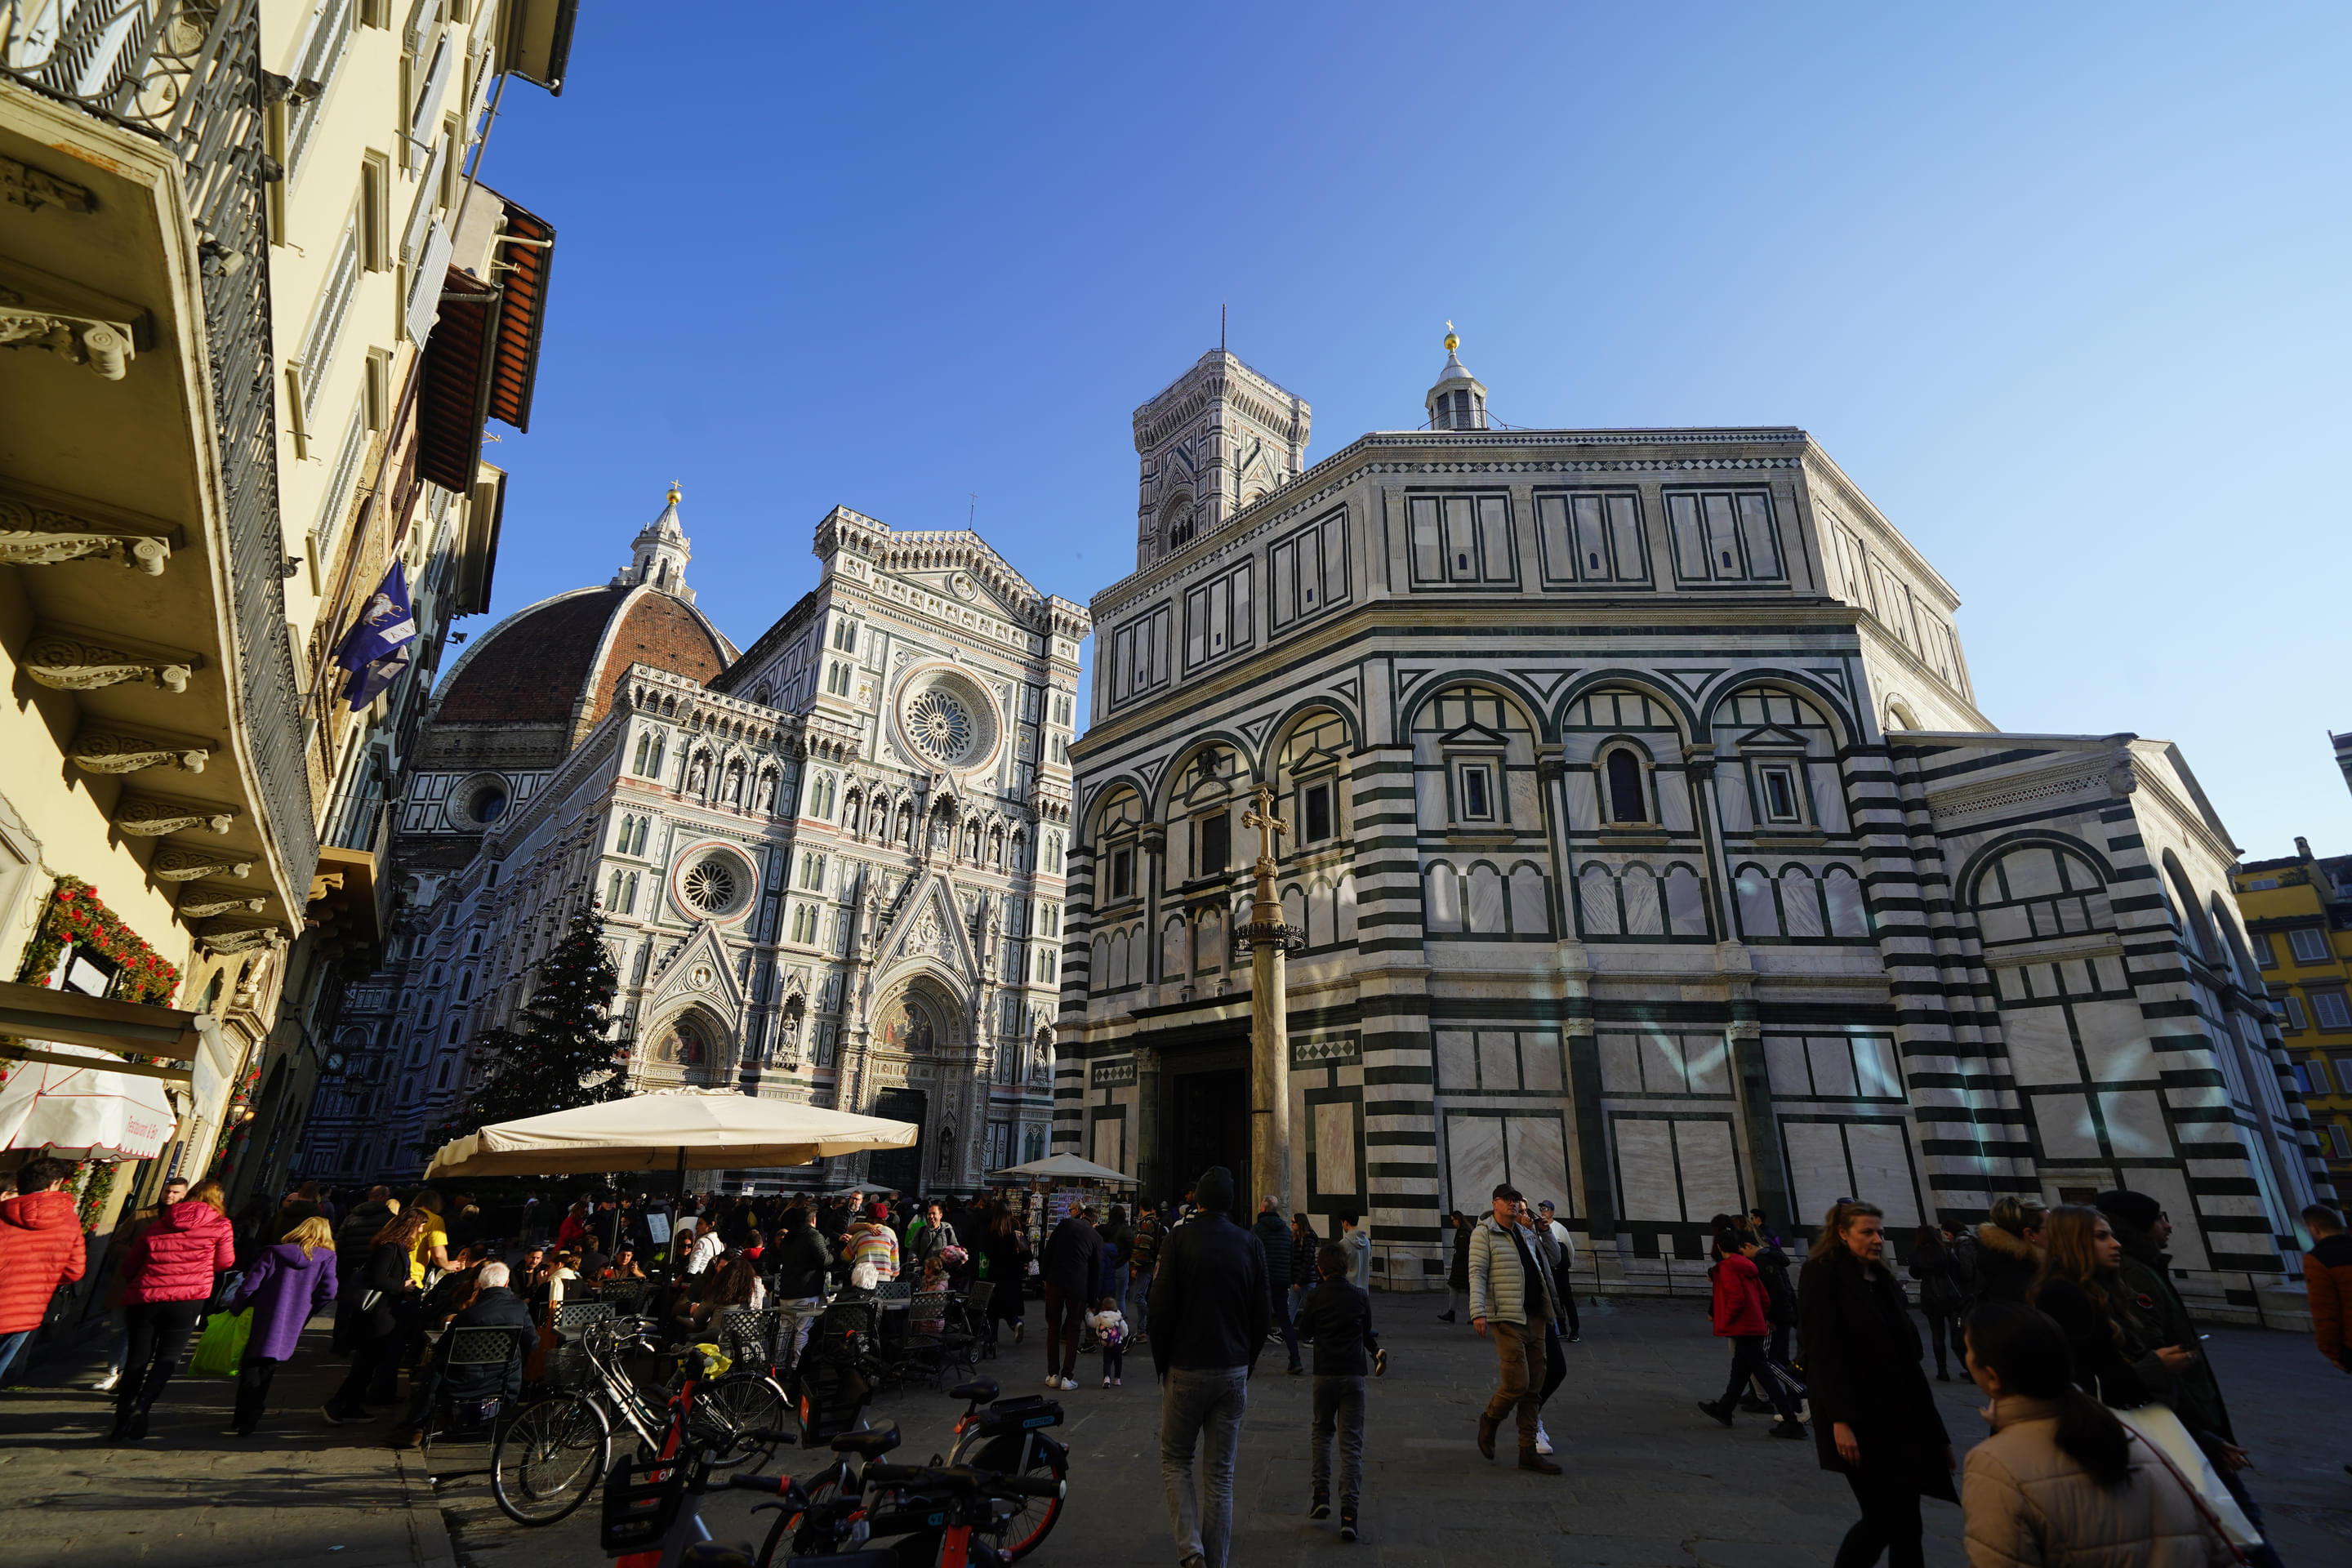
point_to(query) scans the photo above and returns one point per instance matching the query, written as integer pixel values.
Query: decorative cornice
(152, 816)
(178, 863)
(22, 186)
(98, 750)
(36, 535)
(69, 659)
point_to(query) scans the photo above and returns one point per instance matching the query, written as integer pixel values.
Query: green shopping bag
(223, 1344)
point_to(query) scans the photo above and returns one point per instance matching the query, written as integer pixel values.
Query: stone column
(1271, 940)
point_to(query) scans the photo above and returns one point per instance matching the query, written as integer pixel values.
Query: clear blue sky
(2061, 288)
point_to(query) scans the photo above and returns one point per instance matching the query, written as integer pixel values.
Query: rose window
(710, 887)
(938, 725)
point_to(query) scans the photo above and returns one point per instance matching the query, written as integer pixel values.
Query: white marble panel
(1457, 1062)
(1498, 1059)
(1645, 1171)
(1661, 1065)
(1538, 1159)
(1621, 1065)
(1816, 1169)
(1784, 1060)
(2065, 1121)
(1710, 1170)
(1335, 1148)
(1473, 1159)
(1832, 1065)
(1539, 1062)
(2136, 1128)
(1880, 1155)
(2040, 1049)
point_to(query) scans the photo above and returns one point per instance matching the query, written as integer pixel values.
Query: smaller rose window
(938, 725)
(711, 886)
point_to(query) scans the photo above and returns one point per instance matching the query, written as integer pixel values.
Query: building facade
(830, 865)
(1650, 852)
(2298, 916)
(260, 306)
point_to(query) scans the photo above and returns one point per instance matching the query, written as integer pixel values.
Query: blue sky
(2063, 289)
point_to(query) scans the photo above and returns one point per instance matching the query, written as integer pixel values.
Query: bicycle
(553, 1453)
(1009, 1438)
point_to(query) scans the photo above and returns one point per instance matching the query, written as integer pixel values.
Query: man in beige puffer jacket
(1511, 1296)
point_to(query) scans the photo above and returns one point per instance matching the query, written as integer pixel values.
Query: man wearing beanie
(1210, 1309)
(2139, 1222)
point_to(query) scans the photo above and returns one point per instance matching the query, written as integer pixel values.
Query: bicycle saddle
(870, 1445)
(979, 1391)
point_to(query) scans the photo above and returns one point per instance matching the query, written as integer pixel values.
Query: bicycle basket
(640, 1506)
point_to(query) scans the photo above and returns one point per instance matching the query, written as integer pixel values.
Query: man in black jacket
(1211, 1301)
(494, 1307)
(1274, 1235)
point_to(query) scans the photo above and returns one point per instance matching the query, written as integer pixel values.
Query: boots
(1789, 1426)
(1721, 1412)
(1486, 1427)
(1531, 1460)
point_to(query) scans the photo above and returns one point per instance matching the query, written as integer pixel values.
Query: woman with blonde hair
(1874, 1418)
(287, 1284)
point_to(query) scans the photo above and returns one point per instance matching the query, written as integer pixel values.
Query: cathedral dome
(557, 663)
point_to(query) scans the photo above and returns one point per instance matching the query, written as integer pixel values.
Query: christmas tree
(561, 1058)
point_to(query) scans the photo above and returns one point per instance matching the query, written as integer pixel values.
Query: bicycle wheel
(725, 1409)
(1031, 1522)
(550, 1459)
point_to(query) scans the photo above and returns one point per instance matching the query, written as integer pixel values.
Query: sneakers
(1719, 1413)
(1347, 1524)
(1320, 1508)
(1531, 1460)
(1543, 1440)
(1576, 1339)
(1106, 1383)
(1053, 1380)
(1117, 1382)
(1789, 1429)
(1069, 1384)
(107, 1385)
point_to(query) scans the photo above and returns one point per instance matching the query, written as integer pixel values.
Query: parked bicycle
(553, 1454)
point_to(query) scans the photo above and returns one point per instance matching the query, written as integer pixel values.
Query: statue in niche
(947, 1147)
(735, 784)
(698, 777)
(767, 796)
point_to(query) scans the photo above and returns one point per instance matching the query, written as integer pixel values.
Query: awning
(40, 1017)
(482, 361)
(84, 1111)
(538, 46)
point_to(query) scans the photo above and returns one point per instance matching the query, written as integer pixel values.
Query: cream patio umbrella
(1066, 1168)
(690, 1129)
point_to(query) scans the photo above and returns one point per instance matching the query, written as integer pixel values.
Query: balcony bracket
(71, 660)
(178, 863)
(152, 816)
(98, 750)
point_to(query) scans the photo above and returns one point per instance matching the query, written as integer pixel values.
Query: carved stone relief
(176, 863)
(112, 752)
(149, 817)
(42, 536)
(68, 661)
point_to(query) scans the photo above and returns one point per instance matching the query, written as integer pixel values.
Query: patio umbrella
(84, 1113)
(1066, 1168)
(702, 1130)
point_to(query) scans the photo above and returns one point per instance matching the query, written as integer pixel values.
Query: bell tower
(1220, 438)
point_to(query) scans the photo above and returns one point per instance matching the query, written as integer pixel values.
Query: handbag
(2169, 1440)
(222, 1347)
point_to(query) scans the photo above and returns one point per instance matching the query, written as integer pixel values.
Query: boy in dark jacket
(1337, 1317)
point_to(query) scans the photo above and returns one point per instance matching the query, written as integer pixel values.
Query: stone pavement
(297, 1494)
(1649, 1481)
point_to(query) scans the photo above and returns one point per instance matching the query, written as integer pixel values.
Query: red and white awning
(83, 1112)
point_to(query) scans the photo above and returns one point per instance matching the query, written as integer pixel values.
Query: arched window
(644, 749)
(654, 768)
(465, 986)
(1626, 802)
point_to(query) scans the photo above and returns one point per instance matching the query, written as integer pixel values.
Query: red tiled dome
(560, 661)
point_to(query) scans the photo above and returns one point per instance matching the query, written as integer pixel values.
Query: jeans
(1194, 1403)
(1339, 1405)
(1281, 1305)
(1114, 1362)
(1747, 1361)
(159, 1333)
(1064, 1317)
(798, 1331)
(1520, 1350)
(1138, 1305)
(1889, 1524)
(253, 1378)
(10, 1346)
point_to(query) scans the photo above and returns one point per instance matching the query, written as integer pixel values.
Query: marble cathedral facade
(830, 865)
(1650, 852)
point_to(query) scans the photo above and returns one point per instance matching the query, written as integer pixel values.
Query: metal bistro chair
(923, 1353)
(747, 1335)
(567, 1364)
(970, 1337)
(471, 1418)
(892, 1300)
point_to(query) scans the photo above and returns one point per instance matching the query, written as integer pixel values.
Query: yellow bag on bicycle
(713, 1364)
(221, 1348)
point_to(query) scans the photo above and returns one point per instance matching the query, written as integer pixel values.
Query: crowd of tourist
(2109, 1440)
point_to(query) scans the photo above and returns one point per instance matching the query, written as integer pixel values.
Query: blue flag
(375, 650)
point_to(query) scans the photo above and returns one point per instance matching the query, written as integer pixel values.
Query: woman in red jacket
(1739, 1317)
(168, 1275)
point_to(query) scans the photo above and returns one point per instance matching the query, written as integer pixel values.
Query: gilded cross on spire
(673, 492)
(1269, 827)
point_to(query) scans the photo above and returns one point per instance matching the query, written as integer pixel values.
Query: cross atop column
(1269, 827)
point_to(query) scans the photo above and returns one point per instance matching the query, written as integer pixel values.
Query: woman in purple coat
(289, 1282)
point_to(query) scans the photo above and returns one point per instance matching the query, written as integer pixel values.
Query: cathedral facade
(1649, 851)
(830, 865)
